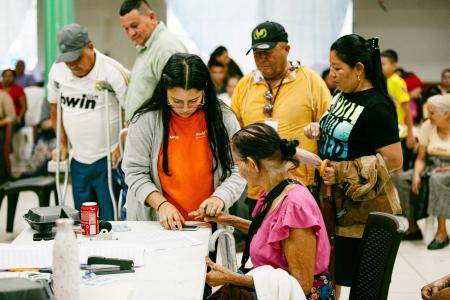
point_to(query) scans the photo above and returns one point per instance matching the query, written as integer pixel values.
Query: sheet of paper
(167, 239)
(39, 255)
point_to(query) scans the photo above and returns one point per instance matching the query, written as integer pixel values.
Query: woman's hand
(441, 169)
(218, 275)
(415, 184)
(170, 217)
(312, 131)
(329, 177)
(222, 218)
(433, 288)
(211, 207)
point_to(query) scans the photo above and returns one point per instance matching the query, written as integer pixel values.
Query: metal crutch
(122, 132)
(61, 197)
(106, 87)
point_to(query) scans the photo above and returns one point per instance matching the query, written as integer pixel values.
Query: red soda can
(89, 218)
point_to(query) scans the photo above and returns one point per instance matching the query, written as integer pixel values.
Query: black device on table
(103, 265)
(189, 227)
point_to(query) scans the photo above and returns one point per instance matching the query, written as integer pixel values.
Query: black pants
(408, 156)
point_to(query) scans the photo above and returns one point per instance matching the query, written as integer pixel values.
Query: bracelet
(157, 209)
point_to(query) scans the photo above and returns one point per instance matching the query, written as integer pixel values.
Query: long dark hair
(188, 71)
(353, 48)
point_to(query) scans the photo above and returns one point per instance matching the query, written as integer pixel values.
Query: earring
(359, 78)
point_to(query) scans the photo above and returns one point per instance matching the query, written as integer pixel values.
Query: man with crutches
(88, 87)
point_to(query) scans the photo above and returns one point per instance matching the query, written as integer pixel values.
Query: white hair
(441, 102)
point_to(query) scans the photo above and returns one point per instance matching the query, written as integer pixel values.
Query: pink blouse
(297, 209)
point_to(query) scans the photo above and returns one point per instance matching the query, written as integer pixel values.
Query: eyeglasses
(190, 104)
(268, 108)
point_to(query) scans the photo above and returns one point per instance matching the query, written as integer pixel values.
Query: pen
(41, 270)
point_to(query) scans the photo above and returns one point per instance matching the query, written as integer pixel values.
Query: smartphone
(189, 228)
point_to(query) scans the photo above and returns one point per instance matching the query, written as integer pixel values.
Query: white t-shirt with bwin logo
(83, 105)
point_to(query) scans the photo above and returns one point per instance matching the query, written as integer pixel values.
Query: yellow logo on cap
(259, 34)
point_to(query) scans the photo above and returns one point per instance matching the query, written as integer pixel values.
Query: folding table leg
(12, 205)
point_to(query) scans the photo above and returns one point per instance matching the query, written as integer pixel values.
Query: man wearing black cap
(78, 79)
(283, 94)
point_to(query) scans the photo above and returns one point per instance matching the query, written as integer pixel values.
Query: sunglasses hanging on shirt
(268, 108)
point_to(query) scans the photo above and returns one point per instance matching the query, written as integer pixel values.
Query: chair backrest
(35, 97)
(376, 257)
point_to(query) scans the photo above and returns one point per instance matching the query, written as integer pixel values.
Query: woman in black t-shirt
(361, 121)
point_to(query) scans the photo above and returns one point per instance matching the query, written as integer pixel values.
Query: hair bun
(288, 148)
(372, 43)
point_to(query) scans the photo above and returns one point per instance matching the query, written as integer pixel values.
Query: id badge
(272, 123)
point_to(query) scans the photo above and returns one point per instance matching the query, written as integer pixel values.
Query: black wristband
(157, 209)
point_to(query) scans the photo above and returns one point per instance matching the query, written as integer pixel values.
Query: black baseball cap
(266, 35)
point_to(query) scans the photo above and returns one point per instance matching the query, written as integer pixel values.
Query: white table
(167, 274)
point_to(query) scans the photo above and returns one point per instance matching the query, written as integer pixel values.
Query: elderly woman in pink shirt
(288, 230)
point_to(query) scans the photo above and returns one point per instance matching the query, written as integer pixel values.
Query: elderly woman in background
(432, 164)
(288, 231)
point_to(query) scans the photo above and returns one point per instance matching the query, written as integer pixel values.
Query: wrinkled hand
(329, 177)
(63, 153)
(218, 275)
(220, 219)
(441, 169)
(115, 157)
(308, 158)
(415, 184)
(410, 142)
(209, 207)
(169, 217)
(312, 131)
(432, 288)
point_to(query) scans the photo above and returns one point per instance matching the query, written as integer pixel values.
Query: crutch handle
(325, 163)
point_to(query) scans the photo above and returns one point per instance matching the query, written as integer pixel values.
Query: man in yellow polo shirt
(285, 95)
(399, 94)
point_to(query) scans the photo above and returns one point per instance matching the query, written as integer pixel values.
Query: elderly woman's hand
(433, 288)
(212, 207)
(170, 217)
(415, 184)
(441, 169)
(218, 275)
(222, 218)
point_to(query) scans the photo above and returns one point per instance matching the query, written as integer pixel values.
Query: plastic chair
(42, 186)
(379, 247)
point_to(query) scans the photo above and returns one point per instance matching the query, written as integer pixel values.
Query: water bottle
(66, 262)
